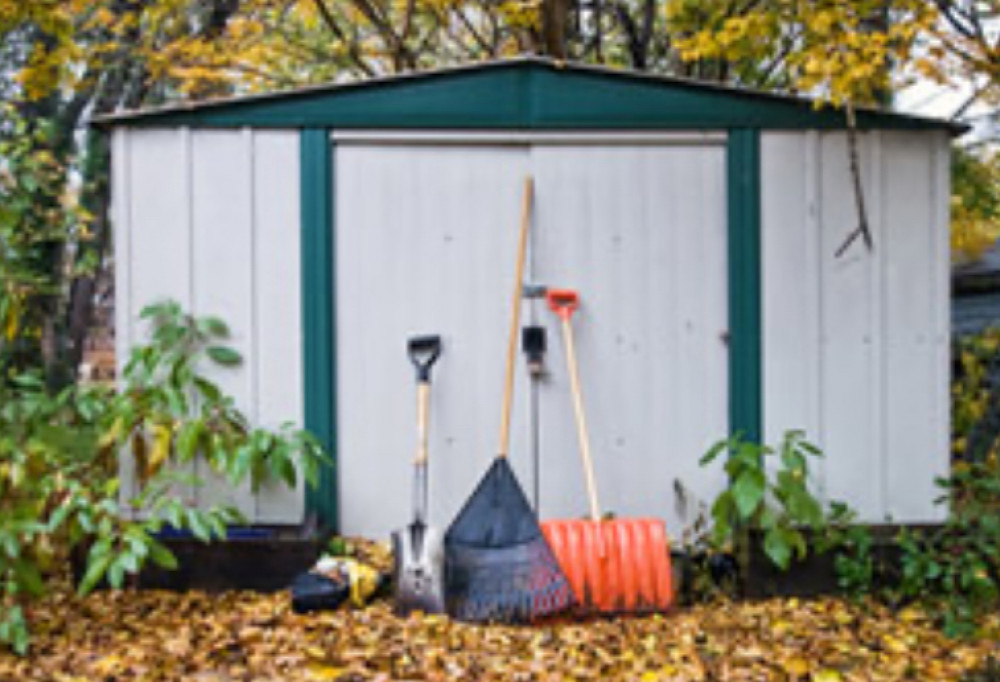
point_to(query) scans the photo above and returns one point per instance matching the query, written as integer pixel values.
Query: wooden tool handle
(515, 316)
(581, 419)
(423, 416)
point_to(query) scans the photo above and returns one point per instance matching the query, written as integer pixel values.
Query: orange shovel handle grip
(563, 302)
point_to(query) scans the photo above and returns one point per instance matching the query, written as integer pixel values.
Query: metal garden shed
(699, 224)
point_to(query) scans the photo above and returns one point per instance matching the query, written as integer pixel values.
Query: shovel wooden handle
(423, 417)
(581, 418)
(515, 316)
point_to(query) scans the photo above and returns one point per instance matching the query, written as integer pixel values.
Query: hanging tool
(614, 565)
(418, 549)
(499, 566)
(533, 345)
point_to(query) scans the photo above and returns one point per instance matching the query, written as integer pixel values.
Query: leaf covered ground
(128, 635)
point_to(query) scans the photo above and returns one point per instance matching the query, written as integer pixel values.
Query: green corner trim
(746, 413)
(318, 367)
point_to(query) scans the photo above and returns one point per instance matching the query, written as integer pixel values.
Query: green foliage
(975, 203)
(853, 545)
(170, 411)
(60, 489)
(975, 404)
(776, 503)
(956, 567)
(38, 216)
(953, 569)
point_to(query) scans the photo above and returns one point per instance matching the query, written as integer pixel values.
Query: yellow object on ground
(362, 578)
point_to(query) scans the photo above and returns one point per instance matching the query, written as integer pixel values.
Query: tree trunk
(555, 20)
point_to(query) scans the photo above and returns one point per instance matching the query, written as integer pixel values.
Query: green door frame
(319, 300)
(319, 332)
(746, 360)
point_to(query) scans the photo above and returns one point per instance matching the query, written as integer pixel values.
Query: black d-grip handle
(424, 352)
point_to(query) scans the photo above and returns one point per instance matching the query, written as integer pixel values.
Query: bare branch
(352, 46)
(862, 230)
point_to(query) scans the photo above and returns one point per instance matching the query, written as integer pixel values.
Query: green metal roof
(523, 93)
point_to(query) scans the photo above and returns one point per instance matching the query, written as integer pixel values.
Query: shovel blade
(418, 552)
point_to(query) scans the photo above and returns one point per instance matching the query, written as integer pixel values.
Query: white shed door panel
(640, 232)
(425, 238)
(425, 243)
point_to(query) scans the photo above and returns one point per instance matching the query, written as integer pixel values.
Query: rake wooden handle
(581, 418)
(515, 316)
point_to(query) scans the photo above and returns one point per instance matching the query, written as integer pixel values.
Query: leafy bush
(953, 569)
(956, 568)
(975, 399)
(777, 504)
(975, 203)
(852, 546)
(60, 487)
(168, 410)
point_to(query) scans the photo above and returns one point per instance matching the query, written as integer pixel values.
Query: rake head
(499, 566)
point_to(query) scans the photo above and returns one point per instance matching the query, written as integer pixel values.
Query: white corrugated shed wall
(856, 348)
(211, 220)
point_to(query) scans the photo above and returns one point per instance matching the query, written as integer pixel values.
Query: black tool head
(423, 352)
(533, 340)
(499, 566)
(533, 344)
(497, 514)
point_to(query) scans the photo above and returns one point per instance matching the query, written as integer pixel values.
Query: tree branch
(352, 46)
(862, 230)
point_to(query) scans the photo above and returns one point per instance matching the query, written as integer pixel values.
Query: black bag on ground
(316, 592)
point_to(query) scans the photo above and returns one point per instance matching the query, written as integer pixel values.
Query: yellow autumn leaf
(827, 675)
(796, 666)
(322, 672)
(894, 644)
(781, 627)
(160, 452)
(662, 673)
(13, 322)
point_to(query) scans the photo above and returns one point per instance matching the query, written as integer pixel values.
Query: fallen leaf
(796, 667)
(324, 673)
(827, 676)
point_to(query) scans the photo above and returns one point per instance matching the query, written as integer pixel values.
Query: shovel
(614, 565)
(419, 548)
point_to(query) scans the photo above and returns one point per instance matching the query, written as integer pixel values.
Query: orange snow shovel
(613, 565)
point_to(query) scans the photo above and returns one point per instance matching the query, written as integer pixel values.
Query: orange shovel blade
(614, 566)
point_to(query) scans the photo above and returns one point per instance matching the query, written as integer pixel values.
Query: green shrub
(852, 546)
(60, 487)
(975, 400)
(953, 569)
(777, 503)
(956, 567)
